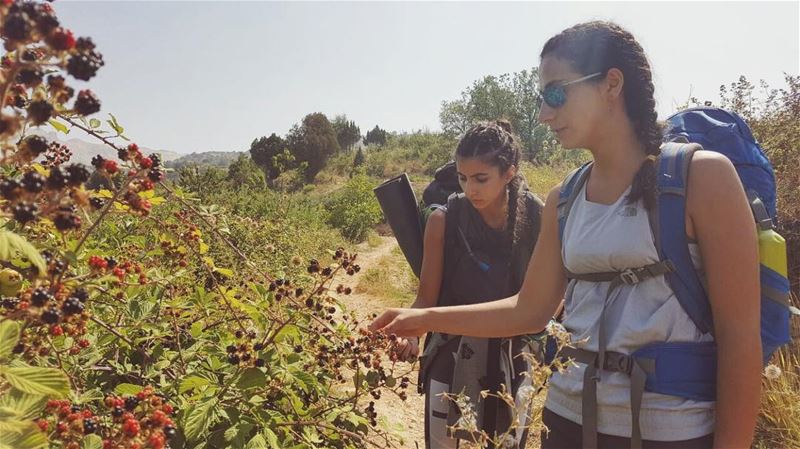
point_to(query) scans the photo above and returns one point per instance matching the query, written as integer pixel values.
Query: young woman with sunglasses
(598, 95)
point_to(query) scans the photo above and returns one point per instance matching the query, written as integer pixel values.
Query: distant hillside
(83, 151)
(218, 159)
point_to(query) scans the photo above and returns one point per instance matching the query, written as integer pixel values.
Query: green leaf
(127, 389)
(288, 332)
(197, 329)
(224, 271)
(60, 127)
(192, 382)
(92, 442)
(307, 381)
(9, 336)
(95, 123)
(199, 419)
(22, 405)
(252, 378)
(115, 125)
(10, 242)
(36, 380)
(257, 442)
(28, 437)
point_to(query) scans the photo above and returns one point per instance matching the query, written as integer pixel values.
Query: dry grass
(779, 421)
(390, 279)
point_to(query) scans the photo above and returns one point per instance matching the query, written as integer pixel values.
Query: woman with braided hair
(597, 93)
(476, 249)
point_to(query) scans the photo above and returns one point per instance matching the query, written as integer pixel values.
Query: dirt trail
(405, 416)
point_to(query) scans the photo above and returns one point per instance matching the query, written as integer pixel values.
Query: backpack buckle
(629, 277)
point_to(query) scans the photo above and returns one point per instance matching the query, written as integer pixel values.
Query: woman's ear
(510, 173)
(613, 83)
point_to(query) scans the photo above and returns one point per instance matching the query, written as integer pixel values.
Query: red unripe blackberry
(146, 163)
(131, 427)
(40, 111)
(56, 331)
(110, 166)
(61, 40)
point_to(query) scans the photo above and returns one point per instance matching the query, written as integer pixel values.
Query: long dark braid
(495, 143)
(599, 46)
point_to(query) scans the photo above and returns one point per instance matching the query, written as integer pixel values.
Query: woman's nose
(546, 113)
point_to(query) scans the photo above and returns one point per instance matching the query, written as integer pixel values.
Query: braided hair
(599, 46)
(495, 143)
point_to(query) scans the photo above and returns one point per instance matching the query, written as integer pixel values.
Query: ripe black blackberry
(46, 22)
(36, 145)
(96, 203)
(84, 44)
(155, 175)
(40, 297)
(258, 346)
(16, 27)
(117, 412)
(9, 188)
(123, 154)
(25, 212)
(33, 182)
(65, 221)
(230, 349)
(233, 359)
(81, 294)
(30, 77)
(260, 363)
(40, 111)
(239, 334)
(57, 267)
(97, 161)
(156, 160)
(130, 403)
(112, 262)
(169, 431)
(87, 102)
(78, 174)
(51, 316)
(58, 178)
(84, 66)
(72, 306)
(89, 426)
(9, 303)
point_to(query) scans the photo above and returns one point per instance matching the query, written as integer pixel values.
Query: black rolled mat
(400, 208)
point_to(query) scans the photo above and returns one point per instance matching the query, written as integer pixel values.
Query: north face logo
(466, 352)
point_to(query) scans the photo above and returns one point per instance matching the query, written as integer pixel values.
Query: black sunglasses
(555, 95)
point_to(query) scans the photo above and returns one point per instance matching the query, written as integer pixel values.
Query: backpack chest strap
(609, 360)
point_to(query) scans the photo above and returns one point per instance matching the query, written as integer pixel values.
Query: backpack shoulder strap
(569, 191)
(668, 223)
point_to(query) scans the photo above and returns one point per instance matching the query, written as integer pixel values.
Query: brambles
(121, 284)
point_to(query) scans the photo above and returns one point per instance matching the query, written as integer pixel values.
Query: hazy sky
(200, 76)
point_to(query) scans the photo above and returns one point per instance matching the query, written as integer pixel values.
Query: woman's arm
(527, 312)
(725, 230)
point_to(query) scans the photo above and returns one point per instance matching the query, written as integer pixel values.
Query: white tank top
(601, 238)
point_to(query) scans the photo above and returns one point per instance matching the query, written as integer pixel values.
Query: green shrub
(354, 209)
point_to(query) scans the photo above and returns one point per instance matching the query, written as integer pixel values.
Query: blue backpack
(688, 369)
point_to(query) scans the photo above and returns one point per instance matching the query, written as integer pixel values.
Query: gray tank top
(600, 238)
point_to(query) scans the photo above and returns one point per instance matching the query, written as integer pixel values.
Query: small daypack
(688, 369)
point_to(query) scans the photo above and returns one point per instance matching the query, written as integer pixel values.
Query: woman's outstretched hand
(400, 322)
